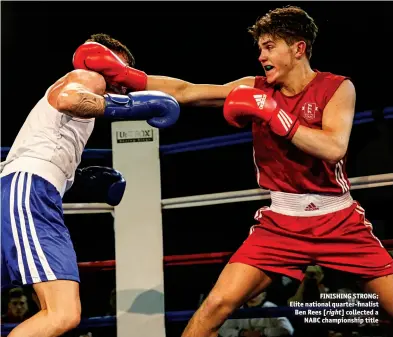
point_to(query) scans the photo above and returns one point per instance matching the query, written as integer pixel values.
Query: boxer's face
(277, 58)
(117, 89)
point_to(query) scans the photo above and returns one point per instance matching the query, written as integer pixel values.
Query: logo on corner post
(135, 136)
(309, 110)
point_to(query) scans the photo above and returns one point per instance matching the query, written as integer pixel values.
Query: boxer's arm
(331, 143)
(79, 94)
(195, 94)
(96, 57)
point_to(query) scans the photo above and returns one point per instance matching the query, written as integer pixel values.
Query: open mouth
(268, 68)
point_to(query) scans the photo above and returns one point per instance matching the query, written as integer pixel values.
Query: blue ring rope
(180, 316)
(205, 143)
(213, 142)
(183, 316)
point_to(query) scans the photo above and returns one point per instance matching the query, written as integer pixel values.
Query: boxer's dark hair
(290, 23)
(113, 45)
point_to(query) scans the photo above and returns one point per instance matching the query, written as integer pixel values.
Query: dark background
(201, 42)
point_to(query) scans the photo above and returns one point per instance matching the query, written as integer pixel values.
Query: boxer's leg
(60, 310)
(383, 287)
(266, 252)
(351, 246)
(236, 284)
(39, 251)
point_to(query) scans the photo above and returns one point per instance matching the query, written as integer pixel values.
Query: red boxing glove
(244, 103)
(96, 57)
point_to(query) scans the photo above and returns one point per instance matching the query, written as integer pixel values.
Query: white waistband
(42, 168)
(308, 204)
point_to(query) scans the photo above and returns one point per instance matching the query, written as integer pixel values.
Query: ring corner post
(138, 231)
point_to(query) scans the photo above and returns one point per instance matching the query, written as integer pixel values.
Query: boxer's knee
(219, 305)
(61, 303)
(65, 318)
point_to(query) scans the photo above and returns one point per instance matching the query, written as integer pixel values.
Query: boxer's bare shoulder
(82, 79)
(79, 93)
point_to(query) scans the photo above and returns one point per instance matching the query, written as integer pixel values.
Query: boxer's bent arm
(80, 94)
(195, 94)
(75, 100)
(331, 143)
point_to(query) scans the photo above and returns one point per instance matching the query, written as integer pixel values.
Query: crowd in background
(99, 299)
(370, 150)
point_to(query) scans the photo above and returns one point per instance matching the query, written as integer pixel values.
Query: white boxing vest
(50, 145)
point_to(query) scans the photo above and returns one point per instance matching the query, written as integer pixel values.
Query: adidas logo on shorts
(311, 207)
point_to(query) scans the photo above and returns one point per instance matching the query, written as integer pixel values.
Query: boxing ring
(139, 261)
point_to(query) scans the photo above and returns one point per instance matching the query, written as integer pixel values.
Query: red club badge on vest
(309, 110)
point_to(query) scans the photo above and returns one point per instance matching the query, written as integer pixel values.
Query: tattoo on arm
(87, 105)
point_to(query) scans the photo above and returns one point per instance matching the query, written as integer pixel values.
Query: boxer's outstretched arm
(96, 57)
(331, 143)
(195, 94)
(79, 94)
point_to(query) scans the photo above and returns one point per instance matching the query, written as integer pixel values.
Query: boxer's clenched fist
(96, 57)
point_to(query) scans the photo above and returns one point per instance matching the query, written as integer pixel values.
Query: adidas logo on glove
(260, 99)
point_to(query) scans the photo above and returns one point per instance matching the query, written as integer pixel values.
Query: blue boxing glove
(157, 108)
(102, 183)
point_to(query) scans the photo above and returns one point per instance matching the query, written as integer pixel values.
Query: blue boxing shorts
(35, 244)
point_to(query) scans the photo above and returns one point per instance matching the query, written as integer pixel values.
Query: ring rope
(186, 259)
(260, 194)
(245, 137)
(87, 208)
(185, 315)
(373, 181)
(202, 200)
(211, 142)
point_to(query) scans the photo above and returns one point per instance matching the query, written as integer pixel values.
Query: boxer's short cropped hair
(113, 45)
(290, 23)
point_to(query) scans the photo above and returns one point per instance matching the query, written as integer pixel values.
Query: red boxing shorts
(299, 230)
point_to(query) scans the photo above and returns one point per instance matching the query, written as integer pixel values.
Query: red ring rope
(173, 260)
(184, 260)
